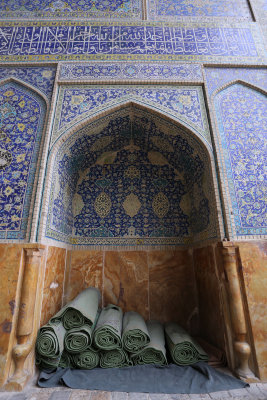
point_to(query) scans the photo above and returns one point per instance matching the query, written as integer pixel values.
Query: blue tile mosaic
(59, 41)
(22, 115)
(77, 103)
(127, 71)
(242, 118)
(218, 77)
(40, 77)
(71, 9)
(198, 8)
(131, 181)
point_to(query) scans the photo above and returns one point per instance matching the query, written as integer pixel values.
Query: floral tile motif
(40, 77)
(242, 118)
(171, 9)
(127, 71)
(52, 9)
(57, 41)
(21, 124)
(218, 77)
(76, 103)
(133, 181)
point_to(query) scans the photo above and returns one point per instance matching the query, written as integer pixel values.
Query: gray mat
(198, 378)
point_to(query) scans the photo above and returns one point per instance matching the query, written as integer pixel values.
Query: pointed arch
(27, 86)
(103, 118)
(239, 224)
(30, 107)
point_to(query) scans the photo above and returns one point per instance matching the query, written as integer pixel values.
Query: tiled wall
(22, 117)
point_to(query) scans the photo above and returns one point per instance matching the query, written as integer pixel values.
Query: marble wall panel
(172, 291)
(54, 283)
(210, 308)
(86, 269)
(253, 264)
(10, 261)
(126, 280)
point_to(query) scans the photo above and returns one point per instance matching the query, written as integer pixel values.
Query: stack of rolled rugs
(81, 336)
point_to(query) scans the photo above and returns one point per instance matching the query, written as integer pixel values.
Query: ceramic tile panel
(241, 114)
(109, 71)
(41, 78)
(57, 41)
(171, 9)
(131, 182)
(22, 114)
(71, 9)
(78, 103)
(216, 78)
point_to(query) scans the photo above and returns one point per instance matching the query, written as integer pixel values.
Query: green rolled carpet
(66, 360)
(107, 334)
(135, 335)
(46, 363)
(78, 340)
(116, 358)
(50, 341)
(184, 350)
(155, 351)
(80, 311)
(88, 359)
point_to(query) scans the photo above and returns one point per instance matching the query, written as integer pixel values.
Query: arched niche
(22, 119)
(240, 111)
(130, 178)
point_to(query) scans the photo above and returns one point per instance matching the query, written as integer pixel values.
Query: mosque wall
(132, 132)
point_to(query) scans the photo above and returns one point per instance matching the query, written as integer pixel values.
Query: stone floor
(254, 392)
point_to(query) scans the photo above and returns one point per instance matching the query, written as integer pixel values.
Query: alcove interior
(133, 200)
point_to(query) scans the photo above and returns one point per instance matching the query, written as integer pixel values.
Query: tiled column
(241, 347)
(26, 326)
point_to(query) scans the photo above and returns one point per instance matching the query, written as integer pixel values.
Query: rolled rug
(88, 359)
(46, 363)
(116, 358)
(66, 360)
(78, 340)
(155, 351)
(80, 311)
(50, 341)
(107, 334)
(184, 350)
(135, 335)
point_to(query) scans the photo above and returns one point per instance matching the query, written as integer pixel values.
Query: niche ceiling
(131, 179)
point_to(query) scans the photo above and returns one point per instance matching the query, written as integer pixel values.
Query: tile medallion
(22, 114)
(40, 77)
(129, 179)
(171, 9)
(96, 71)
(241, 114)
(57, 41)
(51, 9)
(78, 103)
